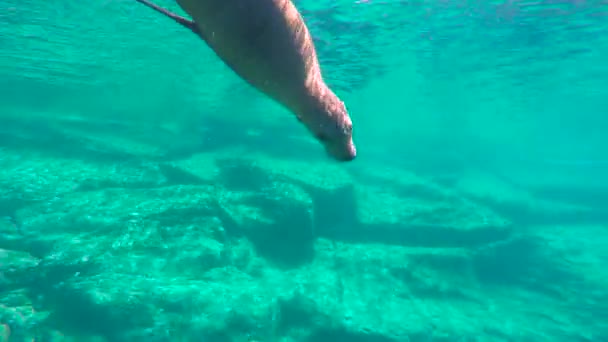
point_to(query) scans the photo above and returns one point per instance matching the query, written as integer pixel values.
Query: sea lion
(267, 43)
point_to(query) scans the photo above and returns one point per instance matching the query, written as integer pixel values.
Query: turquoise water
(148, 194)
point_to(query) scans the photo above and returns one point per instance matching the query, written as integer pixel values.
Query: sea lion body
(267, 43)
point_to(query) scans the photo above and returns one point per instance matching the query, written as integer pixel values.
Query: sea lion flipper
(179, 19)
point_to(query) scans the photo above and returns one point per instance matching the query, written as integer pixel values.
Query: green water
(148, 194)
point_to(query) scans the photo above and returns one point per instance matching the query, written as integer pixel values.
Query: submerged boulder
(236, 246)
(374, 205)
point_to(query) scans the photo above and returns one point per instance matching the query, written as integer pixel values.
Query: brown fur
(267, 43)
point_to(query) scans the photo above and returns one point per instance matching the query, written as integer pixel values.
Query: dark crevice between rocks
(10, 205)
(40, 248)
(42, 279)
(240, 323)
(284, 246)
(335, 211)
(242, 175)
(12, 234)
(74, 310)
(287, 241)
(36, 247)
(296, 312)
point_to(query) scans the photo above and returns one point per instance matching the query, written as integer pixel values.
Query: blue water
(149, 194)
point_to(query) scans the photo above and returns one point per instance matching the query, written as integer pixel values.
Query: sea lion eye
(322, 137)
(348, 129)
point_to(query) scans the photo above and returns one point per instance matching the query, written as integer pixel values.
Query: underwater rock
(277, 220)
(93, 225)
(236, 246)
(28, 176)
(20, 320)
(15, 269)
(394, 217)
(373, 205)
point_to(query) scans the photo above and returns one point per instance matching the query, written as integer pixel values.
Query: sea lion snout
(345, 152)
(332, 126)
(338, 143)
